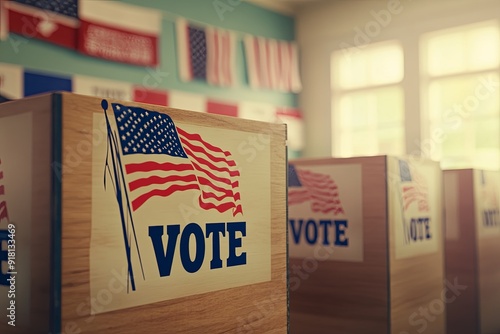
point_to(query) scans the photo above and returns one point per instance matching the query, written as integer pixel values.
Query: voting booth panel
(129, 218)
(472, 249)
(365, 244)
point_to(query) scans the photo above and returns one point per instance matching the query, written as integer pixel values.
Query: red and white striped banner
(272, 64)
(119, 32)
(206, 53)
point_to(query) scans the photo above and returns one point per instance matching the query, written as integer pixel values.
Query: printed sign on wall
(415, 202)
(119, 32)
(325, 212)
(180, 212)
(15, 209)
(486, 197)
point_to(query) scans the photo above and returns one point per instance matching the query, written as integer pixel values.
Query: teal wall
(243, 18)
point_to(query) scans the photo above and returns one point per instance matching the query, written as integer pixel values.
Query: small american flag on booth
(161, 159)
(413, 188)
(317, 188)
(3, 202)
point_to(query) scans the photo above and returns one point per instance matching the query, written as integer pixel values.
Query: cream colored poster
(177, 209)
(16, 170)
(415, 206)
(325, 212)
(486, 197)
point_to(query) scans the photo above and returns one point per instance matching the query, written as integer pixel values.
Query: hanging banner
(51, 21)
(152, 96)
(187, 101)
(222, 108)
(119, 32)
(272, 64)
(38, 83)
(102, 87)
(11, 81)
(257, 111)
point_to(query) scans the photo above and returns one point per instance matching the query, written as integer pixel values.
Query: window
(460, 101)
(368, 100)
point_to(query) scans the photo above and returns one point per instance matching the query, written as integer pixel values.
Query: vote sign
(179, 208)
(415, 213)
(325, 211)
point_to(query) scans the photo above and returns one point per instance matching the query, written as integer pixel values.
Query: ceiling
(282, 6)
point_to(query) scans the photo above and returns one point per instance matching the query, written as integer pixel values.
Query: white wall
(329, 25)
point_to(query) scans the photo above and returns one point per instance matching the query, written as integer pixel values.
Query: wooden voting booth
(473, 249)
(134, 218)
(366, 246)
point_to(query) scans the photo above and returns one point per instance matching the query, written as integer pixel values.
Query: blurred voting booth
(122, 217)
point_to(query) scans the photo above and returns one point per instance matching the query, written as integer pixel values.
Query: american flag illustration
(149, 156)
(413, 188)
(173, 160)
(317, 188)
(206, 53)
(3, 203)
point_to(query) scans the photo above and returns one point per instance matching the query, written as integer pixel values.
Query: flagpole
(118, 192)
(129, 212)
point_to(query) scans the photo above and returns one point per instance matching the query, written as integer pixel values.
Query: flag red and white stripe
(272, 64)
(323, 192)
(297, 195)
(216, 172)
(3, 202)
(119, 32)
(206, 53)
(221, 63)
(161, 159)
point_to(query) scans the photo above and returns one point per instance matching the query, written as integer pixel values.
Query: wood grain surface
(462, 314)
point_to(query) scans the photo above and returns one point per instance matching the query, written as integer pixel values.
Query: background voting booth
(365, 245)
(134, 218)
(473, 249)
